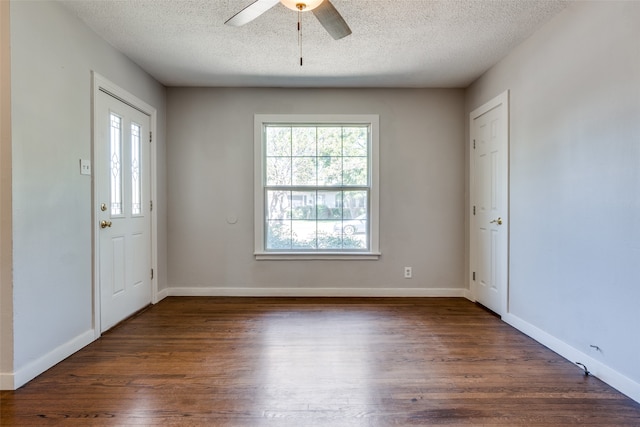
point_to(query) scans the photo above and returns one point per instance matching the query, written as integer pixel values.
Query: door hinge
(151, 205)
(150, 136)
(474, 276)
(152, 274)
(474, 210)
(474, 144)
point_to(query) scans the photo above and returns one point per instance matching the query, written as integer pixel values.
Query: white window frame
(260, 121)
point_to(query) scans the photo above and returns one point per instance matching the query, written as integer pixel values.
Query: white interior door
(489, 199)
(122, 187)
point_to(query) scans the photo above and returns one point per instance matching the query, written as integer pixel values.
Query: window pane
(116, 165)
(303, 234)
(355, 141)
(358, 238)
(330, 235)
(303, 205)
(357, 225)
(329, 205)
(278, 234)
(355, 171)
(304, 171)
(304, 141)
(278, 204)
(278, 141)
(278, 171)
(136, 193)
(330, 220)
(355, 204)
(329, 141)
(354, 228)
(330, 171)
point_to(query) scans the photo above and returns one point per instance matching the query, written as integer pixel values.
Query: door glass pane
(116, 165)
(136, 187)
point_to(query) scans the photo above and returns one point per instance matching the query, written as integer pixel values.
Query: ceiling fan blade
(331, 20)
(251, 12)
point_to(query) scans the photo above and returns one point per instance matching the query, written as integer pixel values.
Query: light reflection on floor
(316, 362)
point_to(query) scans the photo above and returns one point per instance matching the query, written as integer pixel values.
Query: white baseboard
(316, 292)
(162, 294)
(12, 381)
(614, 378)
(38, 366)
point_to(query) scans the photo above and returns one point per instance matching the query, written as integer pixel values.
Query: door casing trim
(102, 84)
(502, 99)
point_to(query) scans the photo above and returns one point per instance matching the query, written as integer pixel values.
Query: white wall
(210, 175)
(6, 258)
(52, 56)
(575, 185)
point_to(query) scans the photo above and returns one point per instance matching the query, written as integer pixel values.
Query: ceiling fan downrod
(301, 7)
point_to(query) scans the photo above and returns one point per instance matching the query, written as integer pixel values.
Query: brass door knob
(105, 224)
(496, 221)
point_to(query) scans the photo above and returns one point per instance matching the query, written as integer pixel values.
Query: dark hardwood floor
(316, 362)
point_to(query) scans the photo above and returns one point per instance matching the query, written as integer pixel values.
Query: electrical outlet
(407, 273)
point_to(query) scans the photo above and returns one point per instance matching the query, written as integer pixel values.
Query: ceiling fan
(323, 10)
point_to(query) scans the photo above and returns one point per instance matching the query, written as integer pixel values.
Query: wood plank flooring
(316, 362)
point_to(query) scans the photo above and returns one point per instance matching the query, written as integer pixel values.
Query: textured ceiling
(395, 43)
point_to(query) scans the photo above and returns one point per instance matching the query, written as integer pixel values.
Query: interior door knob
(105, 224)
(496, 221)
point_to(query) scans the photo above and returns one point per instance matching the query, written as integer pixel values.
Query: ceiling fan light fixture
(307, 5)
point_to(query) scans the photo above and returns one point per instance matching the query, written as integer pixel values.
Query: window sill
(288, 256)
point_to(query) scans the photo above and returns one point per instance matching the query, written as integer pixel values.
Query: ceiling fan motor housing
(323, 10)
(304, 6)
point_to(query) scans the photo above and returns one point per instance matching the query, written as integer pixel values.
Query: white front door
(489, 203)
(122, 199)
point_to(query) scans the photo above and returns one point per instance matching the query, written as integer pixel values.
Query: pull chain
(300, 7)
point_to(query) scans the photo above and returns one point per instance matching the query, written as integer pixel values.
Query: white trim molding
(287, 256)
(504, 188)
(316, 292)
(162, 294)
(598, 369)
(57, 355)
(101, 83)
(372, 121)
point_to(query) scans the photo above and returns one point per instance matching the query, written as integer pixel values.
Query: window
(316, 186)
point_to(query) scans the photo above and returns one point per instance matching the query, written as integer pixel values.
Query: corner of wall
(597, 368)
(6, 247)
(55, 356)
